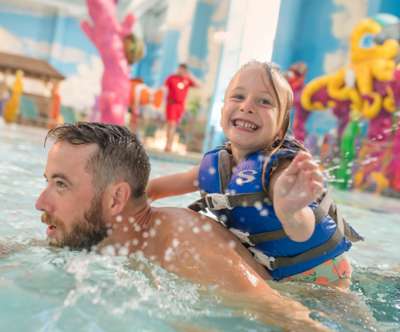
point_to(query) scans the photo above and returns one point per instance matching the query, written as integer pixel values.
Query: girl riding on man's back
(265, 187)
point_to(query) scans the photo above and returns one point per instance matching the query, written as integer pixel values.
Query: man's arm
(212, 256)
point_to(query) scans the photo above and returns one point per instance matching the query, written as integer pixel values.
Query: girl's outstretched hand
(298, 185)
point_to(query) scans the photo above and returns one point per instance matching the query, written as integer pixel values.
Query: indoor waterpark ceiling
(78, 7)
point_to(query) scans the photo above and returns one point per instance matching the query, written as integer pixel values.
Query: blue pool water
(47, 289)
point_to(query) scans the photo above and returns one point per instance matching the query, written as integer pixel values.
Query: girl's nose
(246, 106)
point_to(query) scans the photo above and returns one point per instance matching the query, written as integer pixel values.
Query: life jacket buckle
(242, 236)
(267, 261)
(217, 201)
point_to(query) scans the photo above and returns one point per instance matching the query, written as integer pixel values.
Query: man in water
(95, 196)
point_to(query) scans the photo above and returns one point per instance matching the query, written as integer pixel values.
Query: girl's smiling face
(250, 116)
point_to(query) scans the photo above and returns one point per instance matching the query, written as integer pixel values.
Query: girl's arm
(174, 184)
(293, 187)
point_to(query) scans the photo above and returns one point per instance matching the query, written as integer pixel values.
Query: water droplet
(207, 227)
(258, 205)
(123, 251)
(168, 254)
(108, 251)
(239, 181)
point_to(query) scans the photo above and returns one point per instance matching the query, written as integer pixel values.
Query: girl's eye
(237, 97)
(265, 102)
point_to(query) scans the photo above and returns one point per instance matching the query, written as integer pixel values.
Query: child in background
(265, 187)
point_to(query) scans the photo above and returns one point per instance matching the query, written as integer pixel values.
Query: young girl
(265, 187)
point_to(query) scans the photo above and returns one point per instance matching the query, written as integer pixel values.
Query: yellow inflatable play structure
(366, 89)
(11, 107)
(368, 61)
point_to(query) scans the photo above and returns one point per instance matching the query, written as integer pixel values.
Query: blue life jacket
(237, 196)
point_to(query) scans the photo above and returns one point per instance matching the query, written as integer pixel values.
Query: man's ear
(117, 196)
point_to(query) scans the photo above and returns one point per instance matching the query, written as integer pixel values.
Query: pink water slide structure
(107, 34)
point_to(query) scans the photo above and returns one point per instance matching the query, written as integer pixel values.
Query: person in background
(177, 86)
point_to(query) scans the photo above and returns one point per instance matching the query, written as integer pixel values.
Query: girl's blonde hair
(282, 91)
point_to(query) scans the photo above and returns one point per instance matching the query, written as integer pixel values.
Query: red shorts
(174, 112)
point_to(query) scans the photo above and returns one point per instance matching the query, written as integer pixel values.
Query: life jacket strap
(217, 201)
(327, 206)
(267, 236)
(273, 263)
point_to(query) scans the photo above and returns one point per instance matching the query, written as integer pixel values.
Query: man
(177, 85)
(95, 196)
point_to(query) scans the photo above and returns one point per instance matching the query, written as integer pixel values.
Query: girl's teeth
(244, 124)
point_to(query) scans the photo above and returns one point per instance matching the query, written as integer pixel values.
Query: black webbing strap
(248, 199)
(267, 236)
(225, 164)
(335, 239)
(321, 211)
(237, 200)
(198, 205)
(324, 207)
(328, 207)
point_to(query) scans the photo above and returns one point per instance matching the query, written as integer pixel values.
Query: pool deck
(187, 158)
(38, 133)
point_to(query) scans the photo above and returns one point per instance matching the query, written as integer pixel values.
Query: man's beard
(85, 233)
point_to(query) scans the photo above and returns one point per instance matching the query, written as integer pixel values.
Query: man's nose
(42, 203)
(247, 106)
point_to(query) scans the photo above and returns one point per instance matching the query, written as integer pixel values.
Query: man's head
(92, 171)
(182, 69)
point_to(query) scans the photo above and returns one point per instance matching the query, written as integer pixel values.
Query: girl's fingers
(308, 165)
(302, 161)
(316, 176)
(317, 188)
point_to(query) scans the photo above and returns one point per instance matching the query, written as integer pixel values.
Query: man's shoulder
(174, 214)
(176, 219)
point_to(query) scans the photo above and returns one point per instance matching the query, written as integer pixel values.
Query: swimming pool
(47, 289)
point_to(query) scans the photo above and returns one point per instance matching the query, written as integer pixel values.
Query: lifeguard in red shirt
(177, 85)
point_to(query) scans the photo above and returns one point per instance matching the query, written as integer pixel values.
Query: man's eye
(61, 184)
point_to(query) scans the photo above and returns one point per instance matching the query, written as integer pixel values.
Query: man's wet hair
(120, 157)
(183, 65)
